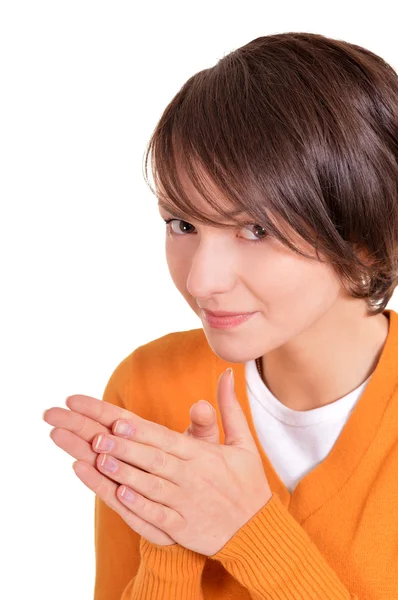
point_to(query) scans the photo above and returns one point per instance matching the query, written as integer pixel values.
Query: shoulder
(166, 353)
(161, 379)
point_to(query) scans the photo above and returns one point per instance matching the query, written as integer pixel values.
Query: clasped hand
(198, 493)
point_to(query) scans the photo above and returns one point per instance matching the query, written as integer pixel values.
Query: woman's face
(228, 270)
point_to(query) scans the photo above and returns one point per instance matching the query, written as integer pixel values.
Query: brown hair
(297, 126)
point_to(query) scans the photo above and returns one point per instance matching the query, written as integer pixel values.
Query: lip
(224, 313)
(226, 321)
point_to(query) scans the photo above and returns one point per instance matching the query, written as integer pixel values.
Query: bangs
(213, 141)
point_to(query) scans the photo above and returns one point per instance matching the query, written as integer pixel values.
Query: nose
(213, 269)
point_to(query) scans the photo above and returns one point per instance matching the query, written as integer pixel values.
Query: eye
(180, 228)
(259, 231)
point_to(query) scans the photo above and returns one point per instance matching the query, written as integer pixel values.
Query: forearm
(272, 556)
(166, 572)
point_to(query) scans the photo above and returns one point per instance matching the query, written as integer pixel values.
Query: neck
(327, 361)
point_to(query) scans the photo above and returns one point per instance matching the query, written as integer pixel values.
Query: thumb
(236, 428)
(203, 423)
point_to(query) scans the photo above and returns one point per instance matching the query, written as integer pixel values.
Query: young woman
(276, 172)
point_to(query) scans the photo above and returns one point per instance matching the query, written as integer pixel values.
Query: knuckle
(154, 513)
(157, 488)
(169, 440)
(159, 461)
(81, 422)
(161, 515)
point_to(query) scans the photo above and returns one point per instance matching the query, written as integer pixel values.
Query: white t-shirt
(306, 437)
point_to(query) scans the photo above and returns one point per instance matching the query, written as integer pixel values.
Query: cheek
(285, 281)
(294, 295)
(179, 266)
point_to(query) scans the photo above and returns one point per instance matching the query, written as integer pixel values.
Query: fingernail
(127, 494)
(123, 428)
(108, 463)
(231, 377)
(209, 406)
(103, 443)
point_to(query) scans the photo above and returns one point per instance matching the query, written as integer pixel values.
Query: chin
(233, 348)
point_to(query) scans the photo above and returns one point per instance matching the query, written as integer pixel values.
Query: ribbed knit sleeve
(166, 572)
(275, 559)
(128, 566)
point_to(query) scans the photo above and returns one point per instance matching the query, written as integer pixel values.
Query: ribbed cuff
(169, 572)
(273, 556)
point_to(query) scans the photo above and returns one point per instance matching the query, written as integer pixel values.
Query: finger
(73, 445)
(151, 486)
(99, 410)
(204, 424)
(202, 413)
(82, 426)
(109, 492)
(154, 513)
(145, 432)
(236, 428)
(147, 458)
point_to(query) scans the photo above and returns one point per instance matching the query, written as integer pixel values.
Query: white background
(84, 279)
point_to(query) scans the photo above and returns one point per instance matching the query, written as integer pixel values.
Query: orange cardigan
(335, 537)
